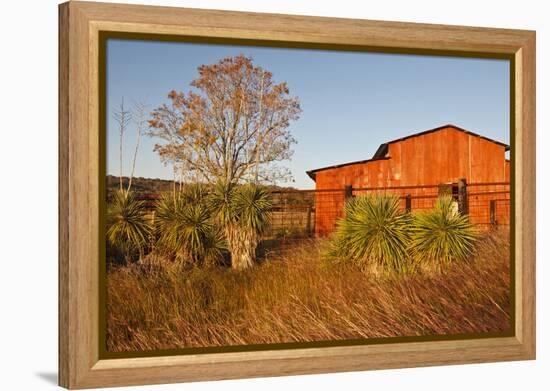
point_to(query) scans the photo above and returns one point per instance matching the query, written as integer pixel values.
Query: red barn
(418, 167)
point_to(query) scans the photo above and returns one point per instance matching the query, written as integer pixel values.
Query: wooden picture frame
(80, 26)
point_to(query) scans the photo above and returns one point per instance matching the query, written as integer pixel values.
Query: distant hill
(140, 185)
(156, 185)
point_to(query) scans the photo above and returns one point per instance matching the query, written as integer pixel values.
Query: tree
(232, 128)
(244, 211)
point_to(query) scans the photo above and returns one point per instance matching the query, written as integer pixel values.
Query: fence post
(152, 234)
(283, 219)
(462, 196)
(492, 209)
(408, 203)
(348, 191)
(308, 223)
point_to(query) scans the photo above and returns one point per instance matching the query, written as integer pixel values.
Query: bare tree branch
(139, 118)
(122, 118)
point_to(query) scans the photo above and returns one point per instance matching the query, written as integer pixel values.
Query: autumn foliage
(232, 126)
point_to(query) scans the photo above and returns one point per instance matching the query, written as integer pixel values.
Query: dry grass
(293, 296)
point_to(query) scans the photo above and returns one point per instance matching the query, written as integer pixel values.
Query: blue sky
(352, 102)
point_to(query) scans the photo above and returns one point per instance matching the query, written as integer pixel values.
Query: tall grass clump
(294, 297)
(373, 234)
(185, 229)
(244, 212)
(442, 234)
(128, 229)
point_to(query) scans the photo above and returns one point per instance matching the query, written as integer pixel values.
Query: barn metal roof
(382, 150)
(311, 173)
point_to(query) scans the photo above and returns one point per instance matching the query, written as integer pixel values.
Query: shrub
(245, 213)
(194, 193)
(442, 234)
(127, 226)
(184, 227)
(374, 234)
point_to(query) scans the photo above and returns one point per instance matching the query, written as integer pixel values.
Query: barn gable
(437, 155)
(382, 150)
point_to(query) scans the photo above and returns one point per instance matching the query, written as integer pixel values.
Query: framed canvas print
(248, 195)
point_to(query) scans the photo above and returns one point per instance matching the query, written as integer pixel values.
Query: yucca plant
(185, 229)
(244, 212)
(374, 234)
(127, 225)
(442, 234)
(194, 193)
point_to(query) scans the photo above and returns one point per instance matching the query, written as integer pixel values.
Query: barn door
(449, 189)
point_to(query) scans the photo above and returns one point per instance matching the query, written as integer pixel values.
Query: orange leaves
(234, 120)
(172, 94)
(153, 123)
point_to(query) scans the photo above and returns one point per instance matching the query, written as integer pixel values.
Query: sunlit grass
(295, 296)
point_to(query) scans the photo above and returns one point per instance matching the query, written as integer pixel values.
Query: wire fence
(315, 212)
(309, 213)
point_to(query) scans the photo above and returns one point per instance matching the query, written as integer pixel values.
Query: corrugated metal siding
(434, 158)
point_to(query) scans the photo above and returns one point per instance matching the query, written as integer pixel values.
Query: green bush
(195, 193)
(127, 225)
(184, 227)
(374, 234)
(442, 234)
